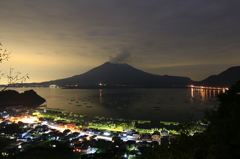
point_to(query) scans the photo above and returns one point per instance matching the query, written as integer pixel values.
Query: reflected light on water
(204, 92)
(100, 95)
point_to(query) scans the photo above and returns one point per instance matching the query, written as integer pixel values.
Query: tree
(224, 130)
(221, 139)
(12, 77)
(4, 54)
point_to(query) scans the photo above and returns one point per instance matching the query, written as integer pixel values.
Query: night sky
(54, 39)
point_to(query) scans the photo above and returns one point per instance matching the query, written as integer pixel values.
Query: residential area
(25, 131)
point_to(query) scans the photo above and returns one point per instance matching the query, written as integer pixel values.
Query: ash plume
(123, 56)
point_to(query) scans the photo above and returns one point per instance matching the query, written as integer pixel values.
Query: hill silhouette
(224, 79)
(124, 75)
(116, 74)
(13, 98)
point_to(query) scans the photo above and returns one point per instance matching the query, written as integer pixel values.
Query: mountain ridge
(223, 79)
(121, 74)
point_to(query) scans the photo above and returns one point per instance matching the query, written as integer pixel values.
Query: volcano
(120, 74)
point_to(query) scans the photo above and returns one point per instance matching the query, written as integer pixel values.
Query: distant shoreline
(93, 87)
(118, 87)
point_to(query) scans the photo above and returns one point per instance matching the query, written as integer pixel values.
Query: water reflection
(204, 93)
(100, 96)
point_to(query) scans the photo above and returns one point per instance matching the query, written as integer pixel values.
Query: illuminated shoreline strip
(210, 88)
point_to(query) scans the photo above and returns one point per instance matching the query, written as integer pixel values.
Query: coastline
(109, 124)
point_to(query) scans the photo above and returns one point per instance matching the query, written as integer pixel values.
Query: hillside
(116, 74)
(113, 74)
(27, 98)
(224, 79)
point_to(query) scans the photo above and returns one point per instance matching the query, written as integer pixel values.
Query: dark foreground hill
(224, 79)
(112, 75)
(27, 98)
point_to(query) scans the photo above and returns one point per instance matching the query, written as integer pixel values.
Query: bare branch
(4, 54)
(12, 77)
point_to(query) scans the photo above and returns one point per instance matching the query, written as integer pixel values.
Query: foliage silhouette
(12, 77)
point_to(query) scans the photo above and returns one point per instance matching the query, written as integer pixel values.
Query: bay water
(156, 104)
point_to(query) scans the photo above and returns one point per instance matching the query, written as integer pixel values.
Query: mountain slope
(121, 74)
(224, 79)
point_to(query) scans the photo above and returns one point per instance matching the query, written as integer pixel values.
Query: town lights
(26, 119)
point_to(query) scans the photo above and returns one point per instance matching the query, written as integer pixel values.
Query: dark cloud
(164, 33)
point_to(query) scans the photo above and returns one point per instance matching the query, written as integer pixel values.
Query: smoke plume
(123, 56)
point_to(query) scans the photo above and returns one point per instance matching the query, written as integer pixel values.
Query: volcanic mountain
(116, 74)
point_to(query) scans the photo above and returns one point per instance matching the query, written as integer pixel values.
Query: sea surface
(159, 104)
